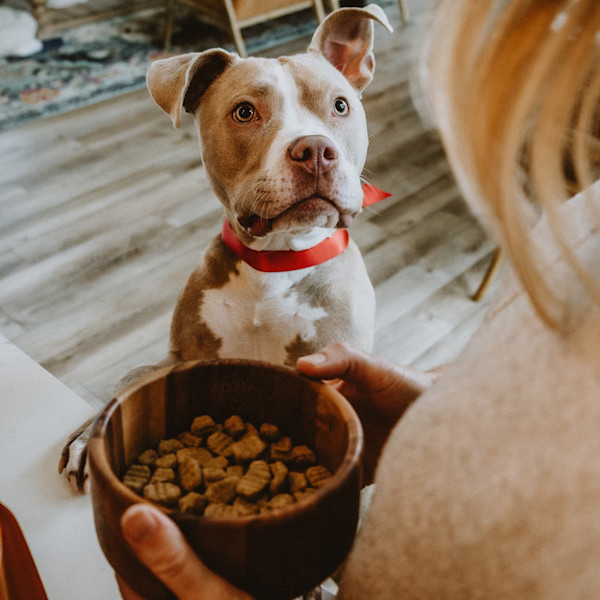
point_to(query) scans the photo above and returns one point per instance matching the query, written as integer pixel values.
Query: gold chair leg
(404, 14)
(489, 275)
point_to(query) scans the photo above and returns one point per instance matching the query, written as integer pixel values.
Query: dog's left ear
(345, 39)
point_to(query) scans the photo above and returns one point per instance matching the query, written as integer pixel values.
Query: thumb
(366, 378)
(160, 545)
(331, 362)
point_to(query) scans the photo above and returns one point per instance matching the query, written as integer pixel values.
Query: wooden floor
(104, 211)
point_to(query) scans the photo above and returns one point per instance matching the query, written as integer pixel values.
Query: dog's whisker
(372, 210)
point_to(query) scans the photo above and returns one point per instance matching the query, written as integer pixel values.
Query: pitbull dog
(284, 142)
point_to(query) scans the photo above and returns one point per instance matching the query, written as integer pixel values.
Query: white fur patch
(256, 316)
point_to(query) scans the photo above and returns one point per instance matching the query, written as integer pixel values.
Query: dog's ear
(345, 39)
(180, 81)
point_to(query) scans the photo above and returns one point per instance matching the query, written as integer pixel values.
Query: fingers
(378, 389)
(342, 361)
(368, 380)
(160, 545)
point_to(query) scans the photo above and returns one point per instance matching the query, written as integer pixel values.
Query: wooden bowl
(276, 556)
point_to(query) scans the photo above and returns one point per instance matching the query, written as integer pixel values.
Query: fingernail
(138, 523)
(315, 359)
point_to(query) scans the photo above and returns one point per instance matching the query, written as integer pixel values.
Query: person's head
(513, 87)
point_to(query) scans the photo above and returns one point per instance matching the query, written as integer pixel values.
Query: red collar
(276, 261)
(372, 194)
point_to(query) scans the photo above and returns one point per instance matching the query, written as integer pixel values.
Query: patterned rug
(104, 59)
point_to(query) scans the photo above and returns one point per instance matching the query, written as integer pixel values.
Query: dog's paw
(73, 460)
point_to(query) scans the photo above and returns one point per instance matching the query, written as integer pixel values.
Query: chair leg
(235, 29)
(169, 10)
(319, 10)
(335, 4)
(489, 275)
(404, 14)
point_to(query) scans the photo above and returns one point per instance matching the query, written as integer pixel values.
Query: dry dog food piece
(148, 457)
(280, 473)
(220, 510)
(250, 430)
(234, 426)
(162, 474)
(212, 474)
(201, 455)
(317, 475)
(248, 449)
(269, 432)
(281, 449)
(245, 507)
(297, 481)
(203, 425)
(283, 445)
(222, 491)
(136, 477)
(255, 480)
(164, 493)
(220, 443)
(168, 446)
(281, 501)
(303, 456)
(189, 440)
(190, 474)
(222, 470)
(168, 461)
(193, 503)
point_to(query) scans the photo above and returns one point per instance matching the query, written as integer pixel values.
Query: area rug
(101, 60)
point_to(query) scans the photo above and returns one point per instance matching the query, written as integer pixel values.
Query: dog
(283, 142)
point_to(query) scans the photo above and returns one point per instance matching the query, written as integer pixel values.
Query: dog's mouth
(255, 225)
(313, 211)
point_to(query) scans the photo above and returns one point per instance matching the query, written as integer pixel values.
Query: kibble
(136, 477)
(190, 474)
(227, 470)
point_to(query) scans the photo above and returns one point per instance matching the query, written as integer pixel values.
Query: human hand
(379, 390)
(160, 545)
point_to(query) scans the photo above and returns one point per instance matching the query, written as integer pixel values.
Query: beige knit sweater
(489, 486)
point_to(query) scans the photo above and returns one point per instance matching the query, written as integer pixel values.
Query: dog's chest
(258, 315)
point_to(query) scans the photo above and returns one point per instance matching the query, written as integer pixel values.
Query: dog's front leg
(73, 459)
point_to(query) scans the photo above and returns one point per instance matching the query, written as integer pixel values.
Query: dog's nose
(315, 153)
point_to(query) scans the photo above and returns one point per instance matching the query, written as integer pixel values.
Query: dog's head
(283, 140)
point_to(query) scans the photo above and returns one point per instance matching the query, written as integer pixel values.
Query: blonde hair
(514, 90)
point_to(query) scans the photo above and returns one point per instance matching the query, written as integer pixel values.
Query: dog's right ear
(181, 80)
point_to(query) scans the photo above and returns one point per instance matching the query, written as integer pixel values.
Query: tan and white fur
(283, 142)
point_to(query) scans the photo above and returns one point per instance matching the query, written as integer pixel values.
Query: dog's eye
(244, 112)
(340, 107)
